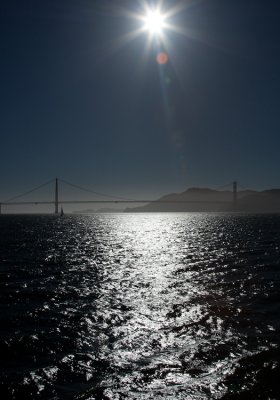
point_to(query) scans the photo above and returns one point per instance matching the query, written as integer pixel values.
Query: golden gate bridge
(110, 199)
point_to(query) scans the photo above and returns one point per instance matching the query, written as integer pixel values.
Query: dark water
(150, 306)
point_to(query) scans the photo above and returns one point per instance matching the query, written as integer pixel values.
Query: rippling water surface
(140, 306)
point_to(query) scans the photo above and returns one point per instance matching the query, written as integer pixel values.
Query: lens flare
(162, 58)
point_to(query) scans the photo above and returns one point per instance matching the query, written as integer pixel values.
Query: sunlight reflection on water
(141, 306)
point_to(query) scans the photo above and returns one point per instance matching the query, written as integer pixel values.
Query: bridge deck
(115, 202)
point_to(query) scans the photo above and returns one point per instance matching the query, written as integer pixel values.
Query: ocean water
(140, 306)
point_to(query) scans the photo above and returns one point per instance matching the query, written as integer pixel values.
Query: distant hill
(209, 200)
(99, 211)
(261, 202)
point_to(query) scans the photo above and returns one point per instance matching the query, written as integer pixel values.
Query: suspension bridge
(109, 199)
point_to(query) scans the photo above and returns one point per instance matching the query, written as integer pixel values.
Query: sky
(83, 102)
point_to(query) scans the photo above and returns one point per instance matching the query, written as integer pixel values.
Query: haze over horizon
(79, 102)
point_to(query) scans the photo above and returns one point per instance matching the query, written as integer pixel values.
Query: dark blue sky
(76, 105)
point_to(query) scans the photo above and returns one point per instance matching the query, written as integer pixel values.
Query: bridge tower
(234, 192)
(56, 197)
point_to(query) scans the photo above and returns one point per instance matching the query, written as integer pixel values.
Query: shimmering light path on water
(140, 306)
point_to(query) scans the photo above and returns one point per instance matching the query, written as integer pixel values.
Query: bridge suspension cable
(29, 191)
(245, 187)
(228, 185)
(96, 193)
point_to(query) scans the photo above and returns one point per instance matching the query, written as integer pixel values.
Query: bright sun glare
(154, 22)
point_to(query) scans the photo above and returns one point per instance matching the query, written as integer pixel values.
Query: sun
(155, 19)
(154, 22)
